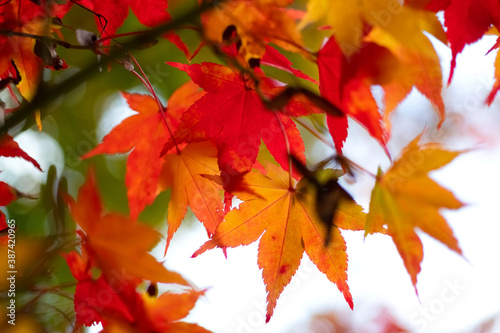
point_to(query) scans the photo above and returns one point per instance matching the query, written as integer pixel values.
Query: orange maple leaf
(186, 173)
(117, 244)
(256, 23)
(288, 221)
(405, 198)
(166, 311)
(146, 133)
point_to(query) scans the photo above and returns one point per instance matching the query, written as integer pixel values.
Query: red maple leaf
(233, 115)
(467, 21)
(150, 13)
(10, 148)
(274, 58)
(7, 195)
(346, 83)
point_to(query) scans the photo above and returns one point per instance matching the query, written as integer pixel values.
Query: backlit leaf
(285, 219)
(405, 198)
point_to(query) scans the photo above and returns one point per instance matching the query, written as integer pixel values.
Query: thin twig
(325, 141)
(288, 150)
(147, 83)
(10, 33)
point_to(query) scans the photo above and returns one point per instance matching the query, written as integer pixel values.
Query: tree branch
(45, 95)
(10, 33)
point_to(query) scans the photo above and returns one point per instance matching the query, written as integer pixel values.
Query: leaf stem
(145, 81)
(10, 33)
(162, 109)
(133, 33)
(288, 150)
(314, 133)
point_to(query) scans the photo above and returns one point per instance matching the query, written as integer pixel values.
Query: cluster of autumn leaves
(205, 145)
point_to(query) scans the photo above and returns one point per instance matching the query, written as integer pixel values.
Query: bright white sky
(455, 293)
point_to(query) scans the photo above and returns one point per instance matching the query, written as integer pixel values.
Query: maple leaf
(287, 219)
(417, 65)
(405, 198)
(346, 83)
(166, 311)
(32, 18)
(432, 5)
(256, 23)
(397, 27)
(496, 85)
(397, 66)
(146, 133)
(7, 195)
(188, 173)
(25, 17)
(91, 306)
(150, 13)
(118, 306)
(117, 244)
(348, 28)
(232, 114)
(274, 58)
(10, 148)
(357, 20)
(466, 22)
(27, 62)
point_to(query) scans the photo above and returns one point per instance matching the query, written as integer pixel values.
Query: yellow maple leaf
(347, 21)
(405, 198)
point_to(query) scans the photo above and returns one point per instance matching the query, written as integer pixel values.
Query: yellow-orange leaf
(419, 64)
(186, 173)
(405, 198)
(288, 221)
